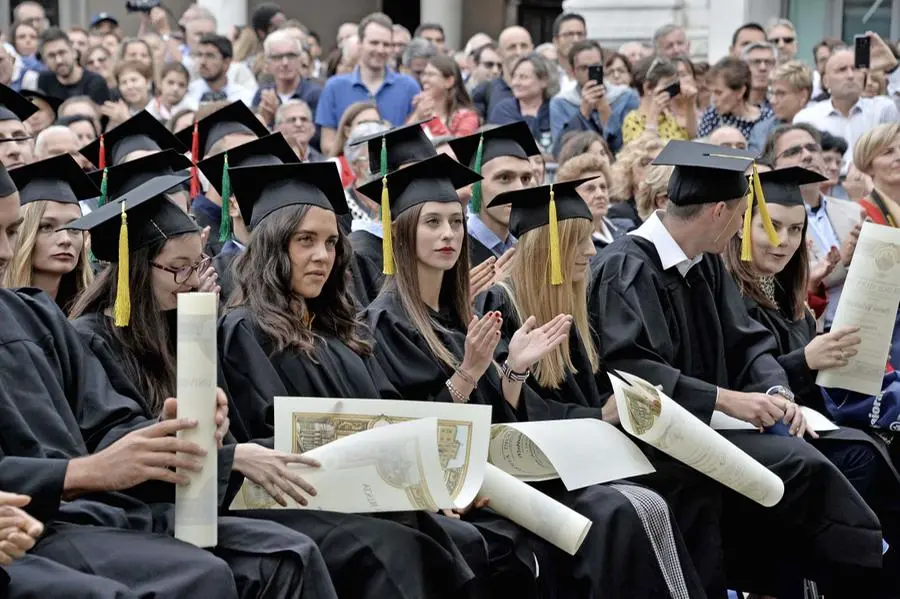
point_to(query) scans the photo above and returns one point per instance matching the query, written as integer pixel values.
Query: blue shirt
(508, 111)
(394, 97)
(308, 91)
(488, 238)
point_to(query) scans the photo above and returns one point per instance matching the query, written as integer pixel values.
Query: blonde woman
(653, 192)
(45, 256)
(595, 191)
(877, 154)
(627, 174)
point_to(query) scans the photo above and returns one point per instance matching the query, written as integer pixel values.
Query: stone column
(449, 14)
(228, 13)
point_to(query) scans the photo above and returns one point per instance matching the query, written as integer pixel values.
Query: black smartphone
(595, 73)
(674, 89)
(862, 50)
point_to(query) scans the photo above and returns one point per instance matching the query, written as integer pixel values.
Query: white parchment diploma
(869, 301)
(196, 504)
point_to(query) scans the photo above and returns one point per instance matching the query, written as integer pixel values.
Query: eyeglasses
(812, 148)
(761, 62)
(183, 274)
(782, 40)
(296, 120)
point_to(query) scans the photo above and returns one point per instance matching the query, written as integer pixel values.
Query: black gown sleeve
(632, 336)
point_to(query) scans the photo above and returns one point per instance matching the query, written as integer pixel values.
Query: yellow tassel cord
(387, 242)
(756, 193)
(556, 276)
(122, 308)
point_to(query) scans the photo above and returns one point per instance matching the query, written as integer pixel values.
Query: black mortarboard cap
(234, 118)
(433, 180)
(260, 190)
(32, 95)
(58, 179)
(402, 145)
(514, 139)
(140, 217)
(705, 173)
(129, 175)
(782, 186)
(7, 186)
(140, 132)
(535, 207)
(268, 150)
(14, 106)
(151, 218)
(530, 206)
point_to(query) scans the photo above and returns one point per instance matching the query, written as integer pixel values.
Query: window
(877, 13)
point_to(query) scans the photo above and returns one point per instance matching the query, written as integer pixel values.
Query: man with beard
(213, 59)
(64, 77)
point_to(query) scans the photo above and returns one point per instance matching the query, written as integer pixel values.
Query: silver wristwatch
(782, 391)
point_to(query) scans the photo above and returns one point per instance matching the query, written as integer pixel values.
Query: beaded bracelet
(457, 396)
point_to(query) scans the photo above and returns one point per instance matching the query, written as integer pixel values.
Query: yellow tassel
(556, 276)
(764, 210)
(746, 247)
(122, 308)
(387, 243)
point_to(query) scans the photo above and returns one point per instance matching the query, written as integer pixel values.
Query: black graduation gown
(418, 560)
(415, 374)
(626, 210)
(691, 335)
(368, 267)
(863, 458)
(57, 404)
(580, 392)
(478, 252)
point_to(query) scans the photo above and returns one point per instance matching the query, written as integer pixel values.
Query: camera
(141, 5)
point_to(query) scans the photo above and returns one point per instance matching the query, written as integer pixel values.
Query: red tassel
(101, 161)
(195, 158)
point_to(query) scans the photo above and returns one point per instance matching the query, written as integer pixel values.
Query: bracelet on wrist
(510, 374)
(466, 377)
(455, 394)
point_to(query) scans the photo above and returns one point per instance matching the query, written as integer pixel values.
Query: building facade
(709, 23)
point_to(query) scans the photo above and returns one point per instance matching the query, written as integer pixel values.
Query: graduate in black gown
(500, 154)
(56, 261)
(664, 308)
(774, 287)
(549, 275)
(223, 130)
(139, 136)
(162, 265)
(96, 467)
(419, 322)
(401, 146)
(272, 149)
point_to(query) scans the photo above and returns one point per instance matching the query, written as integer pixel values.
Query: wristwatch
(782, 391)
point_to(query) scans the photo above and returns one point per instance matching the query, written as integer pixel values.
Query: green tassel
(383, 158)
(103, 187)
(225, 224)
(476, 188)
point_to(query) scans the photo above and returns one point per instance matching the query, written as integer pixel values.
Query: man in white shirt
(846, 114)
(213, 58)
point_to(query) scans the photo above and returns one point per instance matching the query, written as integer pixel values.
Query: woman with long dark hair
(46, 255)
(431, 347)
(292, 330)
(165, 255)
(774, 285)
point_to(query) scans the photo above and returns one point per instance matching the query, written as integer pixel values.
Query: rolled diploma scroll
(654, 418)
(196, 504)
(533, 510)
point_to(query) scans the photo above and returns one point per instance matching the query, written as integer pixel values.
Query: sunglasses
(782, 40)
